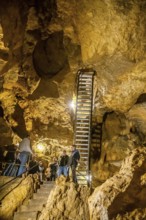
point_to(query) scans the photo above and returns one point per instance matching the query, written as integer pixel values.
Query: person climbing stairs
(32, 210)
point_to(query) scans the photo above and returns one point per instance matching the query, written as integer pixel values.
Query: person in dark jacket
(33, 166)
(73, 162)
(53, 169)
(63, 161)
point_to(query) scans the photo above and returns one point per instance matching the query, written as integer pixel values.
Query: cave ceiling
(44, 43)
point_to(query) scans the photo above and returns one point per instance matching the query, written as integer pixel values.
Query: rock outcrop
(42, 48)
(67, 201)
(126, 188)
(14, 194)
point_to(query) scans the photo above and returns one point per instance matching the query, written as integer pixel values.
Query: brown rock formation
(14, 194)
(124, 192)
(43, 44)
(67, 201)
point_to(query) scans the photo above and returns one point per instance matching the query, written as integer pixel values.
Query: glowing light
(40, 147)
(72, 104)
(89, 177)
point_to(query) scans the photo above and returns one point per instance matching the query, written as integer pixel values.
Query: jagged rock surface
(37, 83)
(67, 201)
(14, 194)
(125, 188)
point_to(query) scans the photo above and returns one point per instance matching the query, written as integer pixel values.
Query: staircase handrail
(27, 170)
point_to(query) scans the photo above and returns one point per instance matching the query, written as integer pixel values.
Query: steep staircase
(83, 122)
(32, 210)
(96, 139)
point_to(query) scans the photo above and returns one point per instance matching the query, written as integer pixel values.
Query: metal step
(82, 144)
(81, 131)
(86, 83)
(86, 76)
(85, 130)
(82, 123)
(89, 101)
(81, 148)
(77, 135)
(85, 158)
(83, 119)
(85, 79)
(86, 87)
(85, 111)
(86, 152)
(82, 140)
(83, 106)
(83, 116)
(85, 93)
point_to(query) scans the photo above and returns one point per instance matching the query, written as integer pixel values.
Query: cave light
(89, 178)
(40, 147)
(72, 104)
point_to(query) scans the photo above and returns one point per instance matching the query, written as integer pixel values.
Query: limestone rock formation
(43, 44)
(137, 213)
(126, 188)
(14, 194)
(67, 201)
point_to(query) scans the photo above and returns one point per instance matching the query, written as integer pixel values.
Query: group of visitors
(61, 167)
(67, 162)
(25, 161)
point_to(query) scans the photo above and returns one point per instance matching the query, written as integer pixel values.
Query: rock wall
(67, 201)
(126, 188)
(14, 194)
(120, 197)
(44, 43)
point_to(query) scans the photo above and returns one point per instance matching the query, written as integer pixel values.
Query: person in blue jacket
(73, 162)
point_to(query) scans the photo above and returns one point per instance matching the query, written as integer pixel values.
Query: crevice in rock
(18, 116)
(132, 198)
(4, 55)
(45, 88)
(141, 98)
(1, 112)
(49, 55)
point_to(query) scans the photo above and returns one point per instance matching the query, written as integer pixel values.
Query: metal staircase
(83, 123)
(96, 139)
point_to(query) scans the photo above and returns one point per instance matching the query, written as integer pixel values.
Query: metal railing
(26, 171)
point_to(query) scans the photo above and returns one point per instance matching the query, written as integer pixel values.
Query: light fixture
(72, 104)
(89, 178)
(40, 147)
